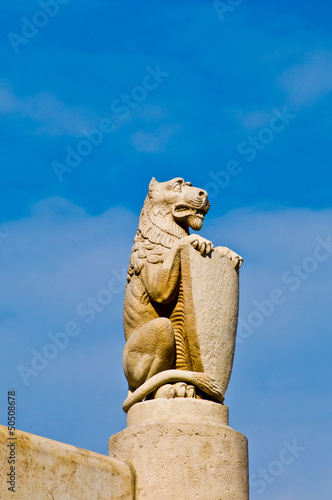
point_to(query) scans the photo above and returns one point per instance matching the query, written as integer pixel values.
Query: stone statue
(181, 301)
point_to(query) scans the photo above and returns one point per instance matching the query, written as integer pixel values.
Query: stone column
(183, 449)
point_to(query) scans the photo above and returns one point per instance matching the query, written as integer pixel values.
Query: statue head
(186, 204)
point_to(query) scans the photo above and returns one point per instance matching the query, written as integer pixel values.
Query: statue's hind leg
(150, 350)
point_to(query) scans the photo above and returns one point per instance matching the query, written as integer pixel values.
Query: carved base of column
(183, 449)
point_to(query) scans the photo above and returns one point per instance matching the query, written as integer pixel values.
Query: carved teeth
(190, 211)
(200, 213)
(183, 208)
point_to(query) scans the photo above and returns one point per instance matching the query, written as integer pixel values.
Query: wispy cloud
(153, 142)
(51, 115)
(255, 119)
(307, 82)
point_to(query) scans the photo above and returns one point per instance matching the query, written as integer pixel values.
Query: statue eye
(177, 186)
(188, 184)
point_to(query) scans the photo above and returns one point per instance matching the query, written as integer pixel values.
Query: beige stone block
(46, 469)
(180, 457)
(177, 410)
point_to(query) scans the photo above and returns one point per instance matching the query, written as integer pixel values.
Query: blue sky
(93, 103)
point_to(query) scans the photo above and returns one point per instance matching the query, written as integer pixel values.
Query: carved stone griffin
(178, 343)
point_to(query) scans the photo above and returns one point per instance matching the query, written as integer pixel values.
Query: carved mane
(156, 233)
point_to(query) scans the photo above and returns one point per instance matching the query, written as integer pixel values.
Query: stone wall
(46, 469)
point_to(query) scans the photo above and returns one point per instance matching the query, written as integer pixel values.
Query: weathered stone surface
(181, 300)
(211, 305)
(183, 460)
(180, 320)
(46, 469)
(177, 410)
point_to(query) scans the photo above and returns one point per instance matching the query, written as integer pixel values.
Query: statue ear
(153, 184)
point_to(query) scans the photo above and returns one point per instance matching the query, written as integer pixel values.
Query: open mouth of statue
(184, 211)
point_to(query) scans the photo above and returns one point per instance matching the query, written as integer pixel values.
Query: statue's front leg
(150, 350)
(162, 284)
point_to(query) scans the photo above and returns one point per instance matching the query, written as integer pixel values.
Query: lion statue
(155, 359)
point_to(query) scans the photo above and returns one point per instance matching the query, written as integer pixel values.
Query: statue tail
(199, 379)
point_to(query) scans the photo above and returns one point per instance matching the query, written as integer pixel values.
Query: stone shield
(210, 287)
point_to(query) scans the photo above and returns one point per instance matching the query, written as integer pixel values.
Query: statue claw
(236, 259)
(178, 390)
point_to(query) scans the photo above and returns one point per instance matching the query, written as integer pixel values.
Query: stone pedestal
(182, 449)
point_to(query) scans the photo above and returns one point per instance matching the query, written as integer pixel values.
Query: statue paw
(182, 390)
(166, 391)
(178, 390)
(236, 259)
(190, 391)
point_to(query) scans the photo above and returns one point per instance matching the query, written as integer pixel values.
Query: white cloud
(254, 119)
(307, 82)
(8, 102)
(54, 259)
(153, 142)
(304, 83)
(51, 115)
(152, 112)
